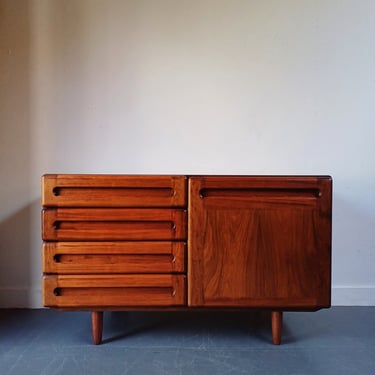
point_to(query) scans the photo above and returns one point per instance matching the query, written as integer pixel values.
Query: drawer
(113, 191)
(99, 291)
(85, 224)
(113, 257)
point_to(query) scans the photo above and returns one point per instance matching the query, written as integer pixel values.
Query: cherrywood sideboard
(155, 242)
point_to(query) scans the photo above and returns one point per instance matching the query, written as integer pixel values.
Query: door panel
(259, 242)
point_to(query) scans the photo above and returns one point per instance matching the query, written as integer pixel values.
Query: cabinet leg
(97, 326)
(277, 326)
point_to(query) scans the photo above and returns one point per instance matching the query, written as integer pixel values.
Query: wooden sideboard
(131, 242)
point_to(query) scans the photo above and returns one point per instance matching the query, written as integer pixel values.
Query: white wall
(187, 86)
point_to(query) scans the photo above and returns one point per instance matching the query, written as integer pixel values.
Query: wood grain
(64, 224)
(67, 190)
(114, 257)
(80, 291)
(117, 242)
(272, 251)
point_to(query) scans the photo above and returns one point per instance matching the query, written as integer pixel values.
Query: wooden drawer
(100, 291)
(86, 224)
(113, 257)
(64, 190)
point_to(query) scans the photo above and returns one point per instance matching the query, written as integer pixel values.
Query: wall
(189, 86)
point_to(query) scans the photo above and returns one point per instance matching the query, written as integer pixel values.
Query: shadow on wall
(15, 259)
(15, 153)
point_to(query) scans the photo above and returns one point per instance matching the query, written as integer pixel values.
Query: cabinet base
(97, 326)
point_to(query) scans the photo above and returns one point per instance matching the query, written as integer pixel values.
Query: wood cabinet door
(258, 241)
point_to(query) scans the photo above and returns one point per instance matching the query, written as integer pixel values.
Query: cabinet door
(259, 242)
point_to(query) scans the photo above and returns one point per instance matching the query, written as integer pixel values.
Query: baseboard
(20, 297)
(341, 296)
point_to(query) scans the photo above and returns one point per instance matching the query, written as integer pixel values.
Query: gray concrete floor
(340, 340)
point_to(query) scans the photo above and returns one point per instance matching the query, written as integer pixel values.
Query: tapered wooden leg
(97, 326)
(277, 326)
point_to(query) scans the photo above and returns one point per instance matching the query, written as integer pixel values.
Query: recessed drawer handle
(57, 258)
(259, 192)
(57, 292)
(56, 191)
(56, 225)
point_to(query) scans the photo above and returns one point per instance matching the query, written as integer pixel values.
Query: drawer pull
(56, 191)
(57, 292)
(260, 193)
(56, 225)
(57, 258)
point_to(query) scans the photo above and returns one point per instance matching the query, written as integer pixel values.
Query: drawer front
(113, 257)
(98, 291)
(113, 191)
(85, 224)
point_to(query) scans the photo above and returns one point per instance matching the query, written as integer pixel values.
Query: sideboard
(168, 242)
